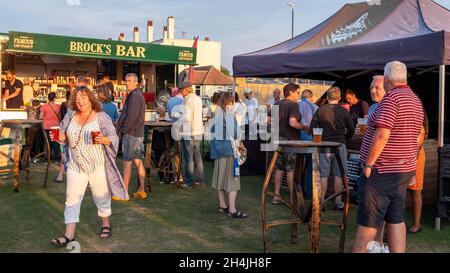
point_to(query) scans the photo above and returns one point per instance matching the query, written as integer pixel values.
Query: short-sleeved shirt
(288, 109)
(51, 115)
(17, 101)
(307, 110)
(400, 111)
(359, 110)
(372, 108)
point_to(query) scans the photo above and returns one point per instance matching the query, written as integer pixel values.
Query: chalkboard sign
(354, 172)
(107, 67)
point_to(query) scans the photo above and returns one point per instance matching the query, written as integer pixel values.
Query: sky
(241, 25)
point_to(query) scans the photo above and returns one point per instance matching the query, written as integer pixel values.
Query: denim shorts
(329, 162)
(382, 198)
(132, 147)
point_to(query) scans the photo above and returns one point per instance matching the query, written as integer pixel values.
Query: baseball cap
(184, 84)
(247, 91)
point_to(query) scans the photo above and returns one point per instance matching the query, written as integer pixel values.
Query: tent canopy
(358, 37)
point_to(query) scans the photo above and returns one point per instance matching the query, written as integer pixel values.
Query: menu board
(354, 172)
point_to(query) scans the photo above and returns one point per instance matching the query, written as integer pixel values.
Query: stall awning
(34, 43)
(359, 36)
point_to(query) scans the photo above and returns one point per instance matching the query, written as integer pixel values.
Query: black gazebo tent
(357, 41)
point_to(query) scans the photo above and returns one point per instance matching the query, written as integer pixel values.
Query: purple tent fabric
(358, 37)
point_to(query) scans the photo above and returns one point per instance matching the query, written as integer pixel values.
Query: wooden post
(316, 203)
(16, 162)
(263, 199)
(48, 154)
(148, 160)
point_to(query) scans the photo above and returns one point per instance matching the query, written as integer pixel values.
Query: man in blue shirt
(307, 110)
(174, 103)
(377, 92)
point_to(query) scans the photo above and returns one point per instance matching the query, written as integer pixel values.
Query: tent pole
(441, 105)
(441, 121)
(234, 86)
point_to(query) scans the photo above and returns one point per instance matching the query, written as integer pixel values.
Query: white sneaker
(373, 247)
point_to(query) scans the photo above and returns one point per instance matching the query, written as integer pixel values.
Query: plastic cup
(317, 133)
(54, 136)
(94, 136)
(362, 123)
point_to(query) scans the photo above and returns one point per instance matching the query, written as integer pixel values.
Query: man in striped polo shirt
(388, 155)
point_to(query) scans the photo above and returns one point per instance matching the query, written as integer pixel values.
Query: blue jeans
(191, 156)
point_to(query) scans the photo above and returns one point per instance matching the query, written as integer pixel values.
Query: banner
(96, 48)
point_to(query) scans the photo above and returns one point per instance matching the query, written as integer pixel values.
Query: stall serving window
(131, 67)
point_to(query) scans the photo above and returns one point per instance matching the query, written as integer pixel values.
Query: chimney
(206, 38)
(121, 37)
(171, 27)
(149, 31)
(136, 35)
(165, 32)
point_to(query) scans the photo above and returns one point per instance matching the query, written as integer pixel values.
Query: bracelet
(368, 166)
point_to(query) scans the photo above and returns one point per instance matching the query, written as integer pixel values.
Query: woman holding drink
(91, 148)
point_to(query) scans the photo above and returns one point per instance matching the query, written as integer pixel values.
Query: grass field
(171, 221)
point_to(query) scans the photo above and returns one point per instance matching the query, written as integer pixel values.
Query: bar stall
(48, 63)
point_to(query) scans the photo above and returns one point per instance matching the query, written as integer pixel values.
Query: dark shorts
(132, 147)
(286, 162)
(382, 198)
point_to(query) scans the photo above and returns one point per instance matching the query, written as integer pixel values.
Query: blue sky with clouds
(241, 25)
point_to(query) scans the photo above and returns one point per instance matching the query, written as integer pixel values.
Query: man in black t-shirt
(290, 128)
(14, 91)
(337, 126)
(358, 108)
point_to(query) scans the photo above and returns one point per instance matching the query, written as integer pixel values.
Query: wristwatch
(368, 166)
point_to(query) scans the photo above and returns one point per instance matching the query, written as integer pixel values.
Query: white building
(208, 52)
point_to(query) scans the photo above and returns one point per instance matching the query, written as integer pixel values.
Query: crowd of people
(392, 152)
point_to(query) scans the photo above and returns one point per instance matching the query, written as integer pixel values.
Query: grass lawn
(171, 221)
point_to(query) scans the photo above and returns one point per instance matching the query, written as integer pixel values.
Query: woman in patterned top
(89, 162)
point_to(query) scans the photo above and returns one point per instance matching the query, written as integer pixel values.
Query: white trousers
(76, 187)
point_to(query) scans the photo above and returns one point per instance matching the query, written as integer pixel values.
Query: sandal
(237, 214)
(224, 210)
(106, 231)
(276, 199)
(56, 242)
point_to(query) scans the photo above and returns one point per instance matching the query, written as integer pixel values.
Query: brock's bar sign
(34, 43)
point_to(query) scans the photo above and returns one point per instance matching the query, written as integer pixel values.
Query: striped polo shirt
(400, 111)
(85, 157)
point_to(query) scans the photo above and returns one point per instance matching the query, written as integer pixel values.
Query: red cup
(54, 133)
(94, 136)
